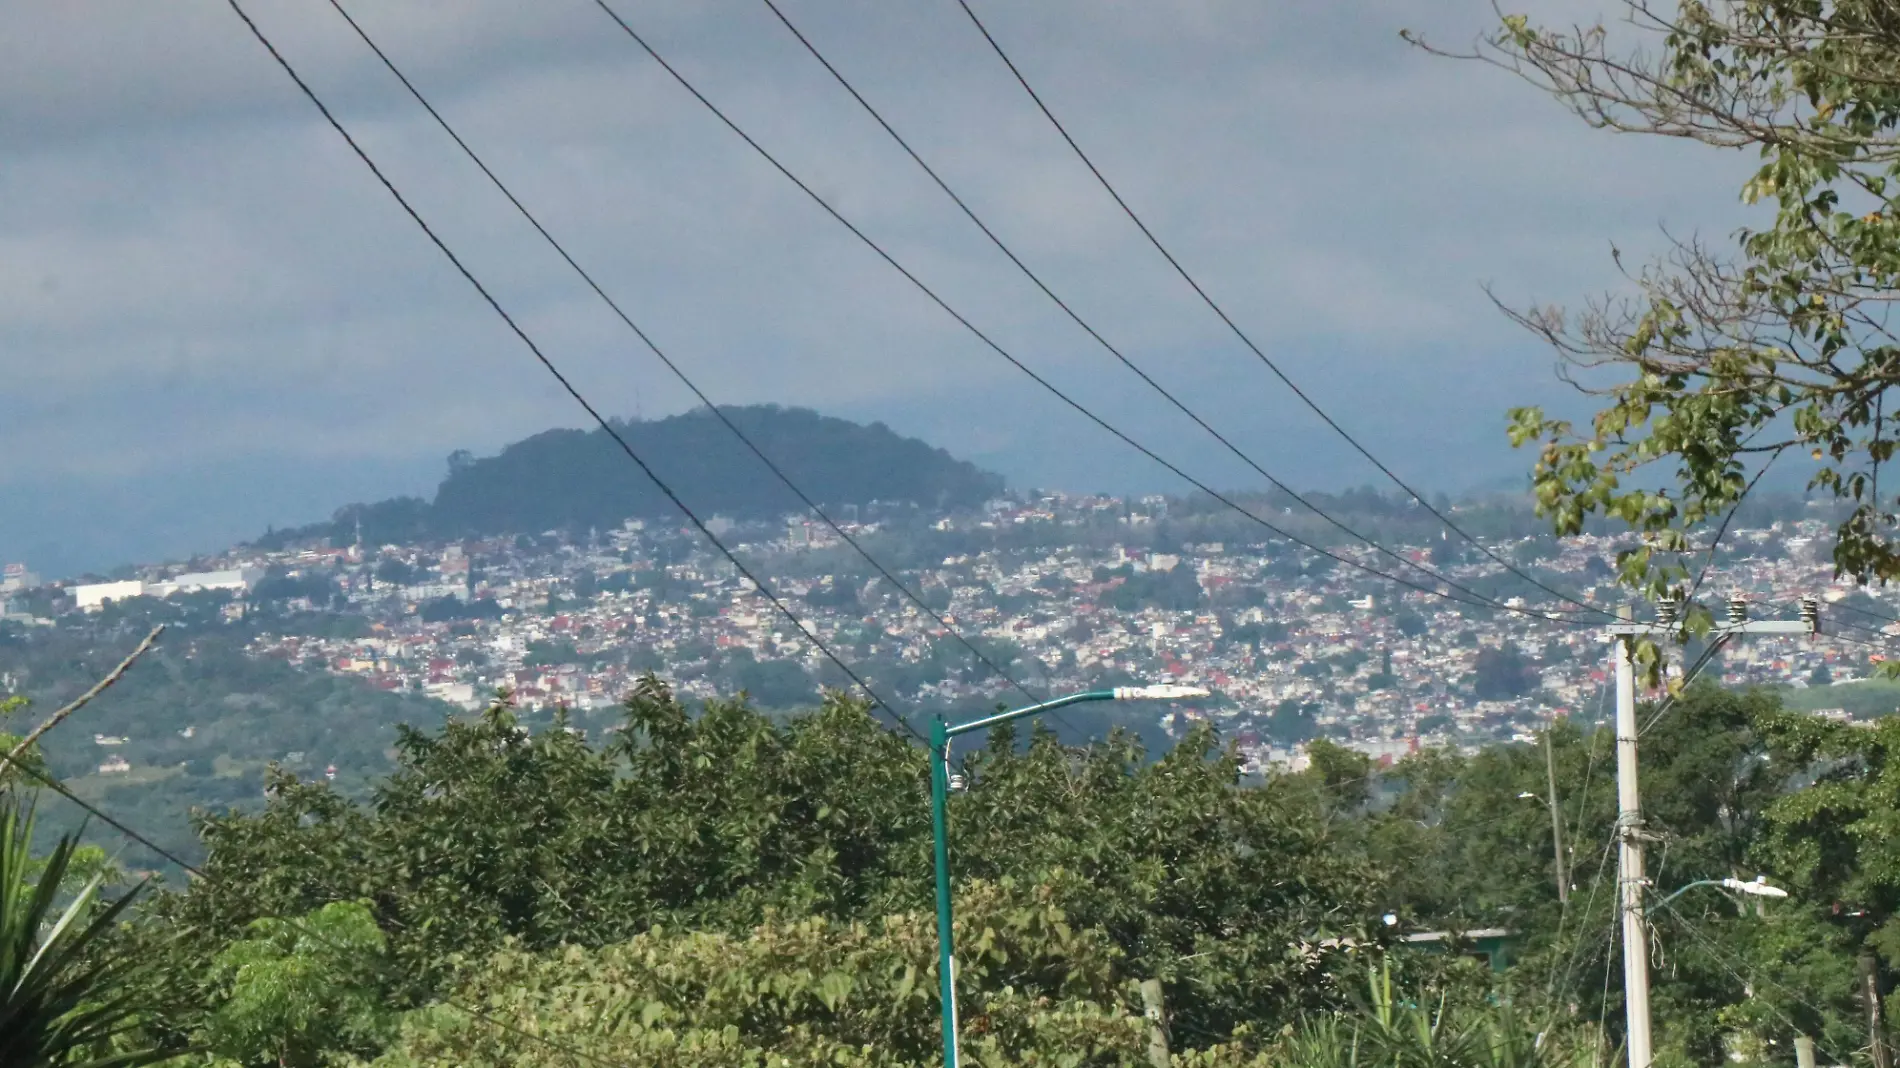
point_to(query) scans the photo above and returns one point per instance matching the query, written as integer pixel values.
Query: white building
(17, 577)
(90, 597)
(238, 580)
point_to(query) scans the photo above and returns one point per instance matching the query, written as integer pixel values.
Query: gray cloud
(194, 271)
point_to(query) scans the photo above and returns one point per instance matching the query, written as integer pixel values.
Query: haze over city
(896, 535)
(218, 321)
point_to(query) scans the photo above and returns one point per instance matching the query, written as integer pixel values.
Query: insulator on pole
(1811, 614)
(1737, 610)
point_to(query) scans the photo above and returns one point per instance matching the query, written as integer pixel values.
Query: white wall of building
(90, 597)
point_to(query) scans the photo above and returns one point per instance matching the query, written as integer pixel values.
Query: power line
(1241, 334)
(1728, 960)
(677, 371)
(1729, 517)
(994, 346)
(1561, 979)
(1865, 612)
(1087, 328)
(1688, 677)
(619, 439)
(191, 869)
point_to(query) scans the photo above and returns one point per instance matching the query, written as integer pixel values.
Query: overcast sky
(212, 317)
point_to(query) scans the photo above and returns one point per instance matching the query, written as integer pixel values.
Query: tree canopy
(1729, 355)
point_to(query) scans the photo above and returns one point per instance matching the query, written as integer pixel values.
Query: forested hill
(575, 479)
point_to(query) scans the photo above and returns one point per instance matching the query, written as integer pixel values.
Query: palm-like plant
(66, 997)
(1390, 1030)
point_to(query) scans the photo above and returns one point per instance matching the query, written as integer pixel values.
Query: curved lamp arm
(1758, 888)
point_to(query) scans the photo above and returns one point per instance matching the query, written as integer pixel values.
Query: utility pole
(1156, 1011)
(1629, 803)
(1556, 822)
(1629, 854)
(1870, 995)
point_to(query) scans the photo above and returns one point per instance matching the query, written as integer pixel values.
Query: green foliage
(298, 994)
(1862, 699)
(1431, 1026)
(1503, 673)
(1176, 589)
(1292, 721)
(1729, 358)
(574, 480)
(242, 711)
(552, 652)
(808, 992)
(490, 836)
(719, 886)
(1835, 839)
(1467, 840)
(68, 996)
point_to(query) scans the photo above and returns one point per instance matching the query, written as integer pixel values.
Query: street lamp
(940, 735)
(1758, 888)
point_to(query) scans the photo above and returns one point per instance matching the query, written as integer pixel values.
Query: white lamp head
(1161, 692)
(1758, 888)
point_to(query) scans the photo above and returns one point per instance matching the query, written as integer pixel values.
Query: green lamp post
(940, 735)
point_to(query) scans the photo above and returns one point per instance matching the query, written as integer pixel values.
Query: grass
(1863, 699)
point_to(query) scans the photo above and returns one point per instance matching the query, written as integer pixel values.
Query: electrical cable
(1729, 517)
(612, 432)
(1728, 960)
(1561, 980)
(1572, 830)
(677, 371)
(994, 346)
(1089, 329)
(1241, 334)
(1688, 677)
(1844, 607)
(191, 869)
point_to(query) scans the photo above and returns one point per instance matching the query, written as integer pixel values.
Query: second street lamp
(940, 735)
(1758, 888)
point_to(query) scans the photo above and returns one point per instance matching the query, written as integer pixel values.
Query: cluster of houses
(1289, 653)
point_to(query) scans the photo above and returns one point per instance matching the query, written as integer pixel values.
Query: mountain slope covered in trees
(576, 479)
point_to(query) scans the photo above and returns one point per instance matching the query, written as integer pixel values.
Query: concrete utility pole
(1556, 823)
(1156, 1010)
(1870, 998)
(1629, 803)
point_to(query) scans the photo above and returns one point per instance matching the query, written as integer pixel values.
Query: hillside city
(1290, 650)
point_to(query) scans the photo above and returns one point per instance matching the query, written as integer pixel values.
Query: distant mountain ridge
(576, 479)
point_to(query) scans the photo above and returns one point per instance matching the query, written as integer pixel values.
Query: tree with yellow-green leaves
(1729, 354)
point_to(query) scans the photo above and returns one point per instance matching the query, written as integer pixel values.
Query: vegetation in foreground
(715, 886)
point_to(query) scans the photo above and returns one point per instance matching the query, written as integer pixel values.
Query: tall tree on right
(1729, 356)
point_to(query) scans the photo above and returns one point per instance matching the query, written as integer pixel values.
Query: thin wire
(1689, 677)
(1561, 987)
(1583, 807)
(1589, 768)
(1864, 612)
(1241, 334)
(1076, 317)
(1724, 958)
(677, 371)
(764, 590)
(1609, 952)
(1054, 390)
(1729, 517)
(197, 872)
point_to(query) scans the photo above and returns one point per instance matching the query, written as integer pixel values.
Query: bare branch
(20, 750)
